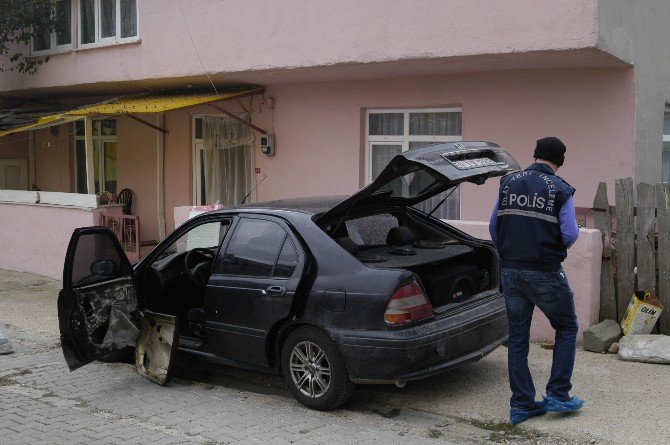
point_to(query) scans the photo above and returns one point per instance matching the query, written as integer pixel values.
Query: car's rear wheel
(314, 370)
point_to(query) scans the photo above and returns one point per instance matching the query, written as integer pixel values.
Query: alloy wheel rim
(310, 369)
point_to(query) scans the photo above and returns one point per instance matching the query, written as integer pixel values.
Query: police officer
(532, 225)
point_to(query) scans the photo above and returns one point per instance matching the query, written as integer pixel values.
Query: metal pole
(160, 174)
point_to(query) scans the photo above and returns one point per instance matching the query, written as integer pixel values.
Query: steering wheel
(198, 263)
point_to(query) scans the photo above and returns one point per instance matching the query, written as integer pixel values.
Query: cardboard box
(642, 314)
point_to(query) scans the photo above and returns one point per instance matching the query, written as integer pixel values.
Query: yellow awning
(132, 105)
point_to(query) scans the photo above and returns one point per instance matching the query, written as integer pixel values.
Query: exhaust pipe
(400, 383)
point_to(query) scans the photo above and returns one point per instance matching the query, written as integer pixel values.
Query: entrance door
(13, 174)
(252, 288)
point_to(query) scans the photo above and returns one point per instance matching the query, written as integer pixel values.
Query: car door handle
(275, 291)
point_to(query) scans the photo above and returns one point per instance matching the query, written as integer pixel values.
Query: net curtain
(227, 160)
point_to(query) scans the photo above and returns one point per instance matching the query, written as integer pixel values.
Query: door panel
(252, 288)
(156, 346)
(97, 307)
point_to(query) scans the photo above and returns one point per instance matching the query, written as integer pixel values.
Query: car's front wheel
(314, 370)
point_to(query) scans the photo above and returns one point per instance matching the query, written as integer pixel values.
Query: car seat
(400, 236)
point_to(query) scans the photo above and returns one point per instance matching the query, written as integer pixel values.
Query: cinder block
(599, 337)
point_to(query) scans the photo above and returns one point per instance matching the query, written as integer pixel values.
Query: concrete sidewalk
(626, 402)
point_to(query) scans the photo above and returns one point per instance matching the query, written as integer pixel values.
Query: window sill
(83, 48)
(88, 46)
(51, 52)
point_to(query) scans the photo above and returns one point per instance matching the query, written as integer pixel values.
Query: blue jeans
(549, 291)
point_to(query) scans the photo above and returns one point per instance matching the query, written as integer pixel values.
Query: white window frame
(666, 138)
(116, 39)
(53, 47)
(101, 158)
(195, 156)
(403, 139)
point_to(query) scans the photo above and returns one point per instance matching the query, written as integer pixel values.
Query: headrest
(348, 245)
(400, 236)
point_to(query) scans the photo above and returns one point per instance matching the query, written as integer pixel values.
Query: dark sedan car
(327, 292)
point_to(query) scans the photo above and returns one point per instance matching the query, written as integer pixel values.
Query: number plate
(474, 163)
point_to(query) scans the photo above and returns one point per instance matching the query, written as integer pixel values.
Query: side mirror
(105, 268)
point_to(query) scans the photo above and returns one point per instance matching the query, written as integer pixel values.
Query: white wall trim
(50, 198)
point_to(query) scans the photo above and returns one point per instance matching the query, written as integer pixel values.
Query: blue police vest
(528, 230)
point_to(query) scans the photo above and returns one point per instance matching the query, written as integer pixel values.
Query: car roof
(312, 205)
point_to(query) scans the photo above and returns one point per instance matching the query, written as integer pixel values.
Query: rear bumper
(427, 349)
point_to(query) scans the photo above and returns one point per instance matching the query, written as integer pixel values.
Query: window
(59, 38)
(104, 156)
(260, 248)
(287, 261)
(665, 154)
(107, 21)
(391, 132)
(223, 160)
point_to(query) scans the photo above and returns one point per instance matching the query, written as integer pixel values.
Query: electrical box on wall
(268, 144)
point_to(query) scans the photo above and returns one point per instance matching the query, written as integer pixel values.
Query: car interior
(176, 280)
(451, 271)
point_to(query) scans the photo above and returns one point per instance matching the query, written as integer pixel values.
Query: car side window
(96, 258)
(287, 261)
(253, 249)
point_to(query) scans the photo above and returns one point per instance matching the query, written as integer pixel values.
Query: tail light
(407, 304)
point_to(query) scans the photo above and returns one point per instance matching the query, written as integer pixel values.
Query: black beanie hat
(550, 148)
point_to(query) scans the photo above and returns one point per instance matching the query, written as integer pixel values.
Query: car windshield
(208, 235)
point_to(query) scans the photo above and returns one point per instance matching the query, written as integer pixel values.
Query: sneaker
(518, 415)
(556, 406)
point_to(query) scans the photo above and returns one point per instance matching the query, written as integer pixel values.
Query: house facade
(342, 87)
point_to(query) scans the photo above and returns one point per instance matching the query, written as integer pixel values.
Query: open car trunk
(450, 270)
(458, 279)
(453, 268)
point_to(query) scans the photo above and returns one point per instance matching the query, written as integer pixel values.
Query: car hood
(416, 175)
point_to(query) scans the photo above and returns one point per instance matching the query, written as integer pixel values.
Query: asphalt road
(625, 402)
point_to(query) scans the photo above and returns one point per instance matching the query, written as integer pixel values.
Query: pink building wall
(14, 146)
(321, 142)
(320, 127)
(265, 36)
(54, 160)
(40, 246)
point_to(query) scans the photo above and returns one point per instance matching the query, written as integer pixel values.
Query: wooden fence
(636, 246)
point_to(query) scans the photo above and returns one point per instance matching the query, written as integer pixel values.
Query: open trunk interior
(450, 269)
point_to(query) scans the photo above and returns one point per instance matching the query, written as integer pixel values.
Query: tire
(308, 380)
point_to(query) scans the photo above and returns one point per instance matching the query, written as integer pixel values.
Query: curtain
(128, 18)
(107, 18)
(87, 21)
(228, 159)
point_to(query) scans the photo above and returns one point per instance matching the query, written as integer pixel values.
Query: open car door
(98, 312)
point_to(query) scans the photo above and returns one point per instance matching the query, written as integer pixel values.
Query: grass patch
(435, 434)
(505, 431)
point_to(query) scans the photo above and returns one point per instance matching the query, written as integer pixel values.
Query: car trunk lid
(417, 175)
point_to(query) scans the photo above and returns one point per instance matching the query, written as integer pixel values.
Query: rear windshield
(371, 230)
(411, 185)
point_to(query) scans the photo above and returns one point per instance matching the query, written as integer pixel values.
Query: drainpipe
(90, 168)
(31, 159)
(160, 173)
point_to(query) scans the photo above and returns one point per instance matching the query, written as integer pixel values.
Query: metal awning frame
(83, 112)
